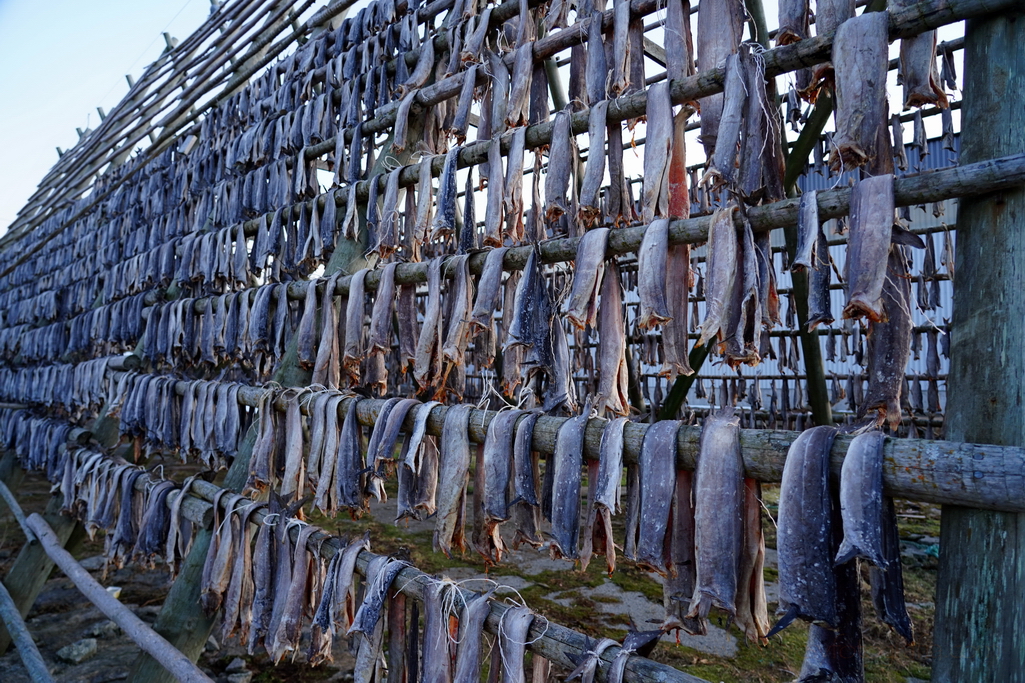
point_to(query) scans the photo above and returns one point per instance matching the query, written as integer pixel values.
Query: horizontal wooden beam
(943, 472)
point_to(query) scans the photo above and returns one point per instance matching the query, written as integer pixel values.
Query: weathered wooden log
(27, 650)
(134, 627)
(943, 472)
(980, 604)
(949, 183)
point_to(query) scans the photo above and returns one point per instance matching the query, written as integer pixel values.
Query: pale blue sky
(61, 59)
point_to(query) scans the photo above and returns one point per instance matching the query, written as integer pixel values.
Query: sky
(59, 60)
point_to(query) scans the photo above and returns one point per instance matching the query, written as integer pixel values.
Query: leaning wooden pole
(27, 650)
(980, 596)
(180, 666)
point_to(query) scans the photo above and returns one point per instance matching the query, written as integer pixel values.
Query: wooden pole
(980, 596)
(27, 650)
(135, 628)
(31, 569)
(12, 503)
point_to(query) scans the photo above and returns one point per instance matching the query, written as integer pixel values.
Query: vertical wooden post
(980, 597)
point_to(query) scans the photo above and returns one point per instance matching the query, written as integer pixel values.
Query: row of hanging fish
(823, 531)
(75, 387)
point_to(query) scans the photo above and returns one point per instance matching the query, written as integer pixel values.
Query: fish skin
(860, 63)
(284, 554)
(461, 296)
(453, 476)
(808, 232)
(804, 532)
(381, 317)
(561, 160)
(589, 204)
(793, 22)
(620, 48)
(350, 464)
(861, 500)
(436, 663)
(636, 642)
(408, 327)
(889, 343)
(561, 389)
(445, 219)
(657, 153)
(217, 568)
(493, 216)
(354, 349)
(613, 390)
(722, 168)
(289, 630)
(565, 515)
(512, 196)
(293, 481)
(518, 112)
(514, 627)
(819, 280)
(657, 467)
(325, 493)
(588, 663)
(343, 606)
(489, 287)
(498, 462)
(264, 563)
(651, 268)
(721, 274)
(744, 322)
(581, 308)
(471, 637)
(428, 346)
(718, 523)
(377, 589)
(321, 628)
(719, 31)
(633, 511)
(383, 454)
(239, 596)
(424, 204)
(868, 240)
(752, 607)
(918, 69)
(598, 532)
(326, 368)
(887, 580)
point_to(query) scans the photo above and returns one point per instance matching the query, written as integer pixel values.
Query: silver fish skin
(561, 160)
(675, 332)
(657, 470)
(436, 662)
(493, 216)
(461, 295)
(594, 172)
(489, 287)
(471, 638)
(453, 476)
(498, 462)
(752, 607)
(515, 625)
(651, 267)
(655, 189)
(289, 631)
(354, 349)
(349, 463)
(804, 532)
(604, 493)
(378, 587)
(721, 274)
(524, 477)
(871, 227)
(381, 317)
(719, 32)
(613, 376)
(428, 346)
(722, 168)
(718, 523)
(793, 22)
(565, 517)
(807, 231)
(581, 307)
(889, 344)
(343, 608)
(861, 500)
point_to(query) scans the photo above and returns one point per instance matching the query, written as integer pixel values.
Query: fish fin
(903, 236)
(785, 621)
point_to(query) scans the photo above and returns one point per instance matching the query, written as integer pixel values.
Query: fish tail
(785, 621)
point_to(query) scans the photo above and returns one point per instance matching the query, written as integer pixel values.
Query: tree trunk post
(980, 596)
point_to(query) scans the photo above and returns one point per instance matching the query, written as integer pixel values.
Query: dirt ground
(588, 601)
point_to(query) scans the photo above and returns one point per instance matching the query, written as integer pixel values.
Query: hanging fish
(657, 153)
(860, 62)
(581, 308)
(921, 79)
(871, 223)
(561, 161)
(722, 272)
(719, 33)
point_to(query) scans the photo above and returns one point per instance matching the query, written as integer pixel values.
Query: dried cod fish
(870, 233)
(565, 502)
(453, 476)
(860, 61)
(581, 307)
(613, 376)
(922, 83)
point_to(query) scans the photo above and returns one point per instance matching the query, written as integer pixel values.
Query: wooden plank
(135, 628)
(27, 650)
(980, 596)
